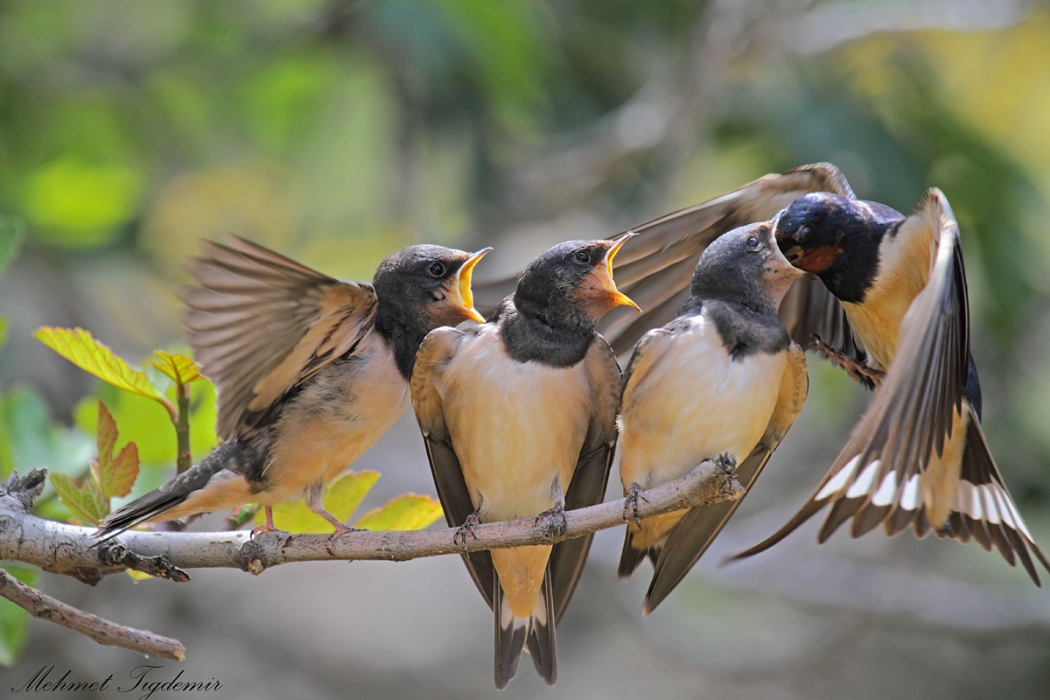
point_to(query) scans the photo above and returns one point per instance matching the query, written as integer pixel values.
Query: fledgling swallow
(519, 419)
(311, 371)
(724, 377)
(918, 456)
(655, 268)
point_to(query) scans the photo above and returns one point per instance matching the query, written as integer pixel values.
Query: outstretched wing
(695, 532)
(918, 457)
(656, 266)
(260, 324)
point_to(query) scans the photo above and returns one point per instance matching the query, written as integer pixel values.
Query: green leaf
(177, 367)
(406, 512)
(341, 499)
(114, 476)
(3, 330)
(85, 501)
(13, 619)
(33, 441)
(80, 348)
(12, 232)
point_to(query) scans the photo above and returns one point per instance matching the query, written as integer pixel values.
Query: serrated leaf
(13, 618)
(84, 501)
(79, 347)
(406, 512)
(341, 499)
(114, 476)
(12, 232)
(177, 367)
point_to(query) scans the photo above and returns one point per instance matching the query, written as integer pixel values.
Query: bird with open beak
(519, 420)
(918, 456)
(724, 377)
(311, 371)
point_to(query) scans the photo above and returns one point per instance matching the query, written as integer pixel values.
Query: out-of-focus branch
(67, 549)
(102, 631)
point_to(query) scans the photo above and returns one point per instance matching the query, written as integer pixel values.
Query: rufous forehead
(819, 259)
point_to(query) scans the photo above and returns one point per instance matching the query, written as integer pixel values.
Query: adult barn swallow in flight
(656, 267)
(918, 456)
(724, 377)
(311, 371)
(519, 419)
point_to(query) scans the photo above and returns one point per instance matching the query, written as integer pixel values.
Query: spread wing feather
(260, 324)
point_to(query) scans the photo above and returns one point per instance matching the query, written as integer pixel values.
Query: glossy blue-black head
(430, 283)
(812, 232)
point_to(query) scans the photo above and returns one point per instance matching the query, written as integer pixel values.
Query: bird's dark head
(811, 232)
(428, 285)
(745, 266)
(571, 285)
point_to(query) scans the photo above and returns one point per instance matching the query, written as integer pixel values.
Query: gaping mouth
(462, 286)
(619, 297)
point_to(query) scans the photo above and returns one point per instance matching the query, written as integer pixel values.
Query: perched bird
(311, 371)
(724, 377)
(519, 420)
(918, 456)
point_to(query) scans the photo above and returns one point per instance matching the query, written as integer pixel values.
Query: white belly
(516, 427)
(695, 403)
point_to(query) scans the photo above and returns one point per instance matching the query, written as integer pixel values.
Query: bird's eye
(803, 234)
(582, 257)
(436, 269)
(752, 242)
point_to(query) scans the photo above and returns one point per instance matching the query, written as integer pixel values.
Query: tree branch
(67, 549)
(102, 631)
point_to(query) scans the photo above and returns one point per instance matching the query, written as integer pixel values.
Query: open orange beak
(619, 297)
(461, 291)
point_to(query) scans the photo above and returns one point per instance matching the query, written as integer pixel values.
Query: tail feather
(513, 634)
(631, 557)
(171, 494)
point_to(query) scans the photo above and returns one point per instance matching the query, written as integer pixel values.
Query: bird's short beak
(461, 290)
(619, 297)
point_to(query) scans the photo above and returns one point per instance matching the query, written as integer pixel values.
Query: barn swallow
(656, 267)
(918, 456)
(519, 419)
(311, 371)
(724, 377)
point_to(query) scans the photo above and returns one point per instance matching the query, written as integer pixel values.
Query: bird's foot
(630, 504)
(553, 521)
(340, 530)
(467, 528)
(858, 371)
(260, 529)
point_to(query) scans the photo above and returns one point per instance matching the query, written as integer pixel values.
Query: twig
(102, 631)
(61, 548)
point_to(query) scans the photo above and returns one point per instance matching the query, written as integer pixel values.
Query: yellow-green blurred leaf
(79, 347)
(3, 330)
(177, 367)
(80, 204)
(13, 618)
(341, 499)
(84, 501)
(407, 512)
(138, 575)
(114, 475)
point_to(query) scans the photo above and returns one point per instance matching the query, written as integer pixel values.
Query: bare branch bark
(67, 549)
(102, 631)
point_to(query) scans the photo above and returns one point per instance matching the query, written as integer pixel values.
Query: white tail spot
(839, 480)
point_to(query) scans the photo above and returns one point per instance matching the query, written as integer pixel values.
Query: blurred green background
(337, 132)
